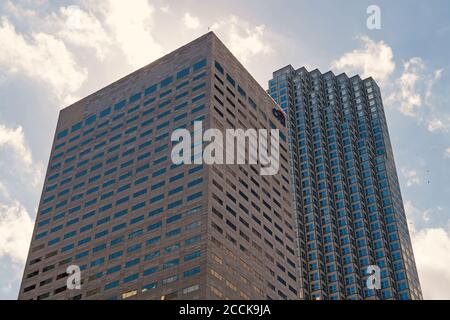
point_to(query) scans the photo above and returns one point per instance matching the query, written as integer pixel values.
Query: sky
(53, 53)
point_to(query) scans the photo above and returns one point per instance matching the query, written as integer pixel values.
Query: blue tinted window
(111, 285)
(150, 89)
(113, 270)
(120, 105)
(183, 73)
(155, 212)
(90, 120)
(105, 112)
(197, 98)
(166, 81)
(135, 97)
(191, 272)
(199, 64)
(77, 127)
(62, 134)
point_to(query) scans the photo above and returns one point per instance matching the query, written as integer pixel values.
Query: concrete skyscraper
(141, 227)
(346, 189)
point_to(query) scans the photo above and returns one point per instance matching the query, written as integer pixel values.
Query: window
(166, 81)
(111, 285)
(192, 255)
(132, 263)
(191, 272)
(231, 80)
(135, 97)
(152, 256)
(150, 89)
(90, 120)
(192, 240)
(183, 73)
(199, 65)
(171, 263)
(120, 105)
(194, 196)
(219, 67)
(154, 226)
(105, 112)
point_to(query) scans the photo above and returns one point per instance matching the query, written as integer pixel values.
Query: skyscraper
(141, 227)
(346, 189)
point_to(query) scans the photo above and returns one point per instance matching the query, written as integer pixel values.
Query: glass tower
(346, 189)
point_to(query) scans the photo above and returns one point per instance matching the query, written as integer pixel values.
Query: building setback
(346, 189)
(140, 227)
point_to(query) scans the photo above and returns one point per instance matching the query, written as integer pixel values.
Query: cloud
(41, 57)
(165, 8)
(18, 10)
(437, 125)
(81, 28)
(431, 248)
(19, 174)
(16, 228)
(375, 59)
(407, 95)
(14, 140)
(437, 75)
(190, 21)
(432, 253)
(447, 153)
(4, 192)
(412, 178)
(243, 40)
(131, 27)
(412, 93)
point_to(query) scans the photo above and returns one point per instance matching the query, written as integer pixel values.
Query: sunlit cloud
(374, 59)
(190, 21)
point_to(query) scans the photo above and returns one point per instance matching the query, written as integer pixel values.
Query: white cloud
(81, 28)
(190, 21)
(375, 59)
(432, 254)
(412, 178)
(431, 248)
(16, 228)
(18, 10)
(407, 95)
(4, 192)
(165, 8)
(437, 75)
(447, 153)
(412, 94)
(243, 40)
(14, 140)
(41, 57)
(16, 225)
(436, 125)
(131, 27)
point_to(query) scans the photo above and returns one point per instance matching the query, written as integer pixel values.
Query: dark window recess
(27, 289)
(59, 290)
(219, 67)
(231, 80)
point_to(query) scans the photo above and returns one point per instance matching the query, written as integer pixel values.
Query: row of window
(91, 119)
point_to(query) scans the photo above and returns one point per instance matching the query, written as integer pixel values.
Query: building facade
(346, 189)
(141, 227)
